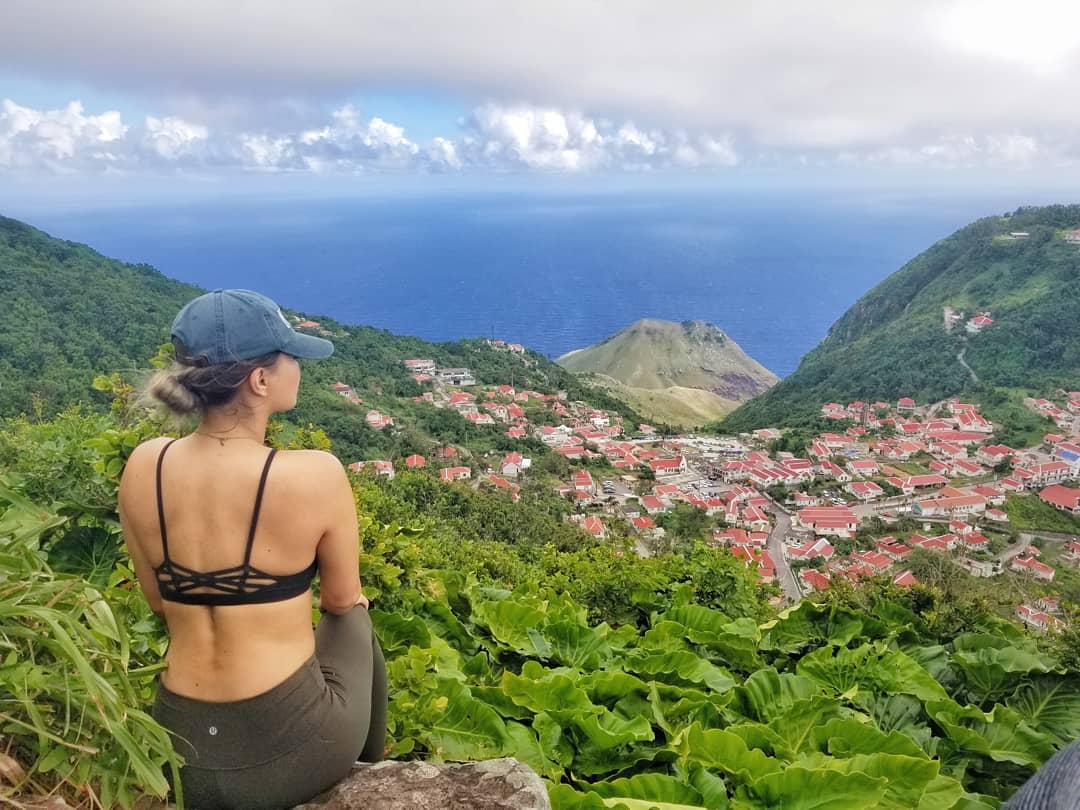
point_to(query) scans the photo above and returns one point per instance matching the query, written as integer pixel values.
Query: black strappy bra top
(240, 585)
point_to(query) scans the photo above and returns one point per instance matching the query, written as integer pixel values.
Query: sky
(338, 95)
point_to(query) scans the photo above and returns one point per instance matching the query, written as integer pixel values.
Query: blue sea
(555, 272)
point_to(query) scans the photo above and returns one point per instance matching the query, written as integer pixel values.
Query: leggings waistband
(243, 733)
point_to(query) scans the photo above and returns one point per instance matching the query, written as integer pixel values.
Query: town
(853, 502)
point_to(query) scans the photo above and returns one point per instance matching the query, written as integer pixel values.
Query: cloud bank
(492, 138)
(831, 75)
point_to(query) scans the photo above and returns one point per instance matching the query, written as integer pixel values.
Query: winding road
(784, 575)
(963, 362)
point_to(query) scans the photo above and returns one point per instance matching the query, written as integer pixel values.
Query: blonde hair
(192, 385)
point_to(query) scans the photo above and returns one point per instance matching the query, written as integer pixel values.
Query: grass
(1028, 513)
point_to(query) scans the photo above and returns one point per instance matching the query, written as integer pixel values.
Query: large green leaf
(576, 645)
(398, 632)
(649, 790)
(992, 666)
(847, 736)
(872, 667)
(676, 707)
(523, 744)
(797, 788)
(513, 624)
(906, 778)
(609, 730)
(795, 726)
(556, 693)
(1050, 703)
(767, 694)
(942, 793)
(1001, 734)
(462, 728)
(724, 751)
(680, 668)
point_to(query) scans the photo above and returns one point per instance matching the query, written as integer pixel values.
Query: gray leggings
(289, 744)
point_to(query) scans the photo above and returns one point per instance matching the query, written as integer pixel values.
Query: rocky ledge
(497, 784)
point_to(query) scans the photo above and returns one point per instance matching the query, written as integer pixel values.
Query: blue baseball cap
(225, 326)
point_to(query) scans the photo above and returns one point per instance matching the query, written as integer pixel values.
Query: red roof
(415, 461)
(1062, 497)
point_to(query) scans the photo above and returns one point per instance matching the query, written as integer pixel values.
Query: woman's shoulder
(317, 463)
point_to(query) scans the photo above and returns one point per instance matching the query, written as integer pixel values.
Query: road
(963, 362)
(784, 576)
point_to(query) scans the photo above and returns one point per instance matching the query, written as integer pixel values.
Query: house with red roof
(415, 461)
(905, 405)
(516, 433)
(814, 580)
(834, 521)
(383, 468)
(828, 469)
(594, 526)
(1072, 552)
(809, 550)
(643, 523)
(1062, 497)
(503, 485)
(976, 541)
(731, 537)
(950, 506)
(513, 464)
(864, 468)
(582, 481)
(963, 467)
(996, 515)
(1032, 617)
(1048, 472)
(766, 568)
(1034, 567)
(865, 490)
(446, 452)
(455, 474)
(944, 542)
(892, 549)
(668, 466)
(876, 560)
(978, 323)
(905, 579)
(654, 505)
(377, 421)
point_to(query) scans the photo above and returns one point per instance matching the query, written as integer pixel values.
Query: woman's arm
(339, 548)
(133, 483)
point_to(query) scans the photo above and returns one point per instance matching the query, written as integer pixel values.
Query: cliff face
(683, 373)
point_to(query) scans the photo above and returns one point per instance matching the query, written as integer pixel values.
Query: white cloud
(517, 138)
(834, 75)
(29, 136)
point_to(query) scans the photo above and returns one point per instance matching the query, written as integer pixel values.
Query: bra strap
(255, 514)
(160, 505)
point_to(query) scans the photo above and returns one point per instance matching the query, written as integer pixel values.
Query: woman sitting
(226, 536)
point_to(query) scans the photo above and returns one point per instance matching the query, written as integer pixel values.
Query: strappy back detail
(239, 585)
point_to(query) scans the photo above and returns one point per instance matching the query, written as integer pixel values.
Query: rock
(497, 784)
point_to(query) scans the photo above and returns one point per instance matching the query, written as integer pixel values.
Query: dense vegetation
(643, 681)
(67, 314)
(893, 342)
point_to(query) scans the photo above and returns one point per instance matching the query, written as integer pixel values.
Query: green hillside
(893, 341)
(67, 314)
(681, 373)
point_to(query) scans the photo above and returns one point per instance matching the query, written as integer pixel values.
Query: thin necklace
(224, 439)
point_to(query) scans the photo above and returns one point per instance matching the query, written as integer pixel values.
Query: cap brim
(308, 347)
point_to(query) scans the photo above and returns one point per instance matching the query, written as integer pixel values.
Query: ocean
(555, 272)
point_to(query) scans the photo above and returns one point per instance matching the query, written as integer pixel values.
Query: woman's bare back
(230, 652)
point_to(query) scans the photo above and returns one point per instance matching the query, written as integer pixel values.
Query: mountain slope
(67, 313)
(894, 342)
(683, 373)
